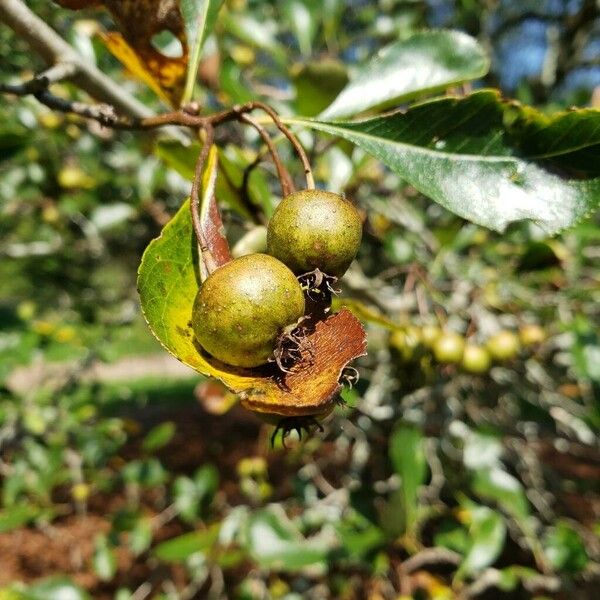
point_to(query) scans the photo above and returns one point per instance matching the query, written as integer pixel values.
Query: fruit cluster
(246, 309)
(448, 347)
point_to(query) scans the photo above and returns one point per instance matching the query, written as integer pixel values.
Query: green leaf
(457, 151)
(275, 544)
(183, 159)
(573, 136)
(104, 560)
(302, 22)
(56, 588)
(17, 516)
(501, 487)
(180, 548)
(140, 537)
(565, 549)
(427, 62)
(192, 495)
(408, 459)
(159, 436)
(258, 33)
(199, 17)
(317, 83)
(487, 533)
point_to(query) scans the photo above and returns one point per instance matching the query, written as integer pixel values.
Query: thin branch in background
(310, 182)
(287, 186)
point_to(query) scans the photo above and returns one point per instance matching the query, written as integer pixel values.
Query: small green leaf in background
(182, 547)
(424, 63)
(303, 22)
(504, 489)
(17, 516)
(487, 534)
(408, 459)
(199, 17)
(55, 588)
(274, 543)
(140, 536)
(159, 436)
(260, 34)
(192, 496)
(104, 560)
(317, 83)
(565, 549)
(145, 473)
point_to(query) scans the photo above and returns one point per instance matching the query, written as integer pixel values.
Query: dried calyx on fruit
(243, 307)
(315, 230)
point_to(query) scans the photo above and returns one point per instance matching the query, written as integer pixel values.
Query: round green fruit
(504, 345)
(429, 334)
(531, 335)
(314, 229)
(476, 359)
(242, 308)
(449, 347)
(406, 342)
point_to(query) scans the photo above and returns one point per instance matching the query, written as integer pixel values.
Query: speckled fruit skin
(314, 229)
(476, 359)
(241, 309)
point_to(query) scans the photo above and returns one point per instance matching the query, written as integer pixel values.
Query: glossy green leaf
(504, 489)
(183, 546)
(424, 63)
(159, 436)
(199, 17)
(408, 460)
(457, 151)
(275, 544)
(487, 534)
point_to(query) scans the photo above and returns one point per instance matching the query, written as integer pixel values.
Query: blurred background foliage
(123, 475)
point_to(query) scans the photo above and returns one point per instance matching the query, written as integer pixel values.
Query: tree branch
(55, 51)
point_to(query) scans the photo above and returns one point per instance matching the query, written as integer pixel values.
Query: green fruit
(503, 346)
(314, 229)
(242, 308)
(476, 359)
(406, 342)
(449, 347)
(429, 334)
(531, 335)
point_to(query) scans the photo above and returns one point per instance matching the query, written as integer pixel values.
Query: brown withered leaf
(313, 385)
(139, 21)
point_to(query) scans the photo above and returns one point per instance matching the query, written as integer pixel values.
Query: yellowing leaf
(139, 21)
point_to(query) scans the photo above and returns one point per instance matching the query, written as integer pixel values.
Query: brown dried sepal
(313, 385)
(139, 21)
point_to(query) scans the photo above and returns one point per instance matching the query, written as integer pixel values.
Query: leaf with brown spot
(139, 21)
(168, 283)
